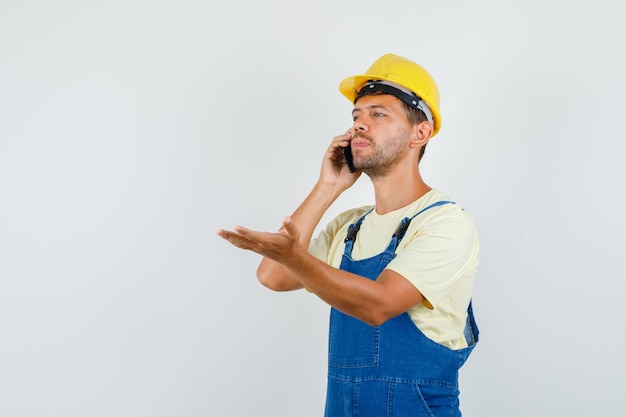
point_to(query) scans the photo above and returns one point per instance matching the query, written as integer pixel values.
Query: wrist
(327, 191)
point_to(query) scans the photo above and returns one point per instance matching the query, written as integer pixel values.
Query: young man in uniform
(398, 274)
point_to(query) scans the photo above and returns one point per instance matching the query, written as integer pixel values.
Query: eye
(378, 114)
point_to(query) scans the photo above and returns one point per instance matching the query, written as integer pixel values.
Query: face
(381, 134)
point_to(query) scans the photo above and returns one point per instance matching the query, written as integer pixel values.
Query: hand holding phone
(347, 155)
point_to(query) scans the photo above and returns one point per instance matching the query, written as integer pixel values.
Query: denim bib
(392, 369)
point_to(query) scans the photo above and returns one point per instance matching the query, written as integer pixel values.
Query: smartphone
(347, 155)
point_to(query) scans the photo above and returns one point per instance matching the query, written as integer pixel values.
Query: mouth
(359, 142)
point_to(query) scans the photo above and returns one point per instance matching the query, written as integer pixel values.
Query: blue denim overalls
(393, 369)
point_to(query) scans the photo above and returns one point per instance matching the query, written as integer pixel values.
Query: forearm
(352, 294)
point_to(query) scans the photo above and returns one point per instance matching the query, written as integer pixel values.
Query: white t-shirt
(439, 255)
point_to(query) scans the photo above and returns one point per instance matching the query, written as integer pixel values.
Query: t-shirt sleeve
(320, 245)
(330, 239)
(439, 252)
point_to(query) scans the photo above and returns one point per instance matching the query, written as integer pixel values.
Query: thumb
(287, 224)
(288, 227)
(290, 230)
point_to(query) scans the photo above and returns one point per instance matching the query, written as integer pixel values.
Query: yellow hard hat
(395, 75)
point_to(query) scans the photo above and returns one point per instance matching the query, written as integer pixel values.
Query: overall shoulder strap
(353, 229)
(407, 220)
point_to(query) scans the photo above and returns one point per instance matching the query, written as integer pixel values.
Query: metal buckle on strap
(353, 229)
(402, 228)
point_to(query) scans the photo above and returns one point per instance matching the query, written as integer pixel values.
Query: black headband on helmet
(407, 97)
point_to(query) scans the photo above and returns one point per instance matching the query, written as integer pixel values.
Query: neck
(398, 189)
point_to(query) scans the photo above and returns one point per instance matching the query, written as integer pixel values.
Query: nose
(360, 124)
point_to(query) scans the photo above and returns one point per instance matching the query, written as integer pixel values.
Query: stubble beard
(382, 157)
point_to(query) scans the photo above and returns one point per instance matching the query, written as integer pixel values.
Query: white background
(130, 131)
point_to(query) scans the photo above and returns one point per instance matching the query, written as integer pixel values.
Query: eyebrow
(373, 106)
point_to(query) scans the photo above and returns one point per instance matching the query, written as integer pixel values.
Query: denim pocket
(381, 397)
(409, 401)
(351, 342)
(434, 399)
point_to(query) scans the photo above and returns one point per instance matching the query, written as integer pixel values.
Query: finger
(223, 233)
(235, 238)
(287, 225)
(348, 135)
(291, 231)
(253, 237)
(341, 140)
(238, 230)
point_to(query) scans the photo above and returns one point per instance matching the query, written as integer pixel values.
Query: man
(398, 275)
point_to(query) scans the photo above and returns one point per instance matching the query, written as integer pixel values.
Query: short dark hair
(415, 116)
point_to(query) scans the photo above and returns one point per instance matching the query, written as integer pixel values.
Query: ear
(421, 133)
